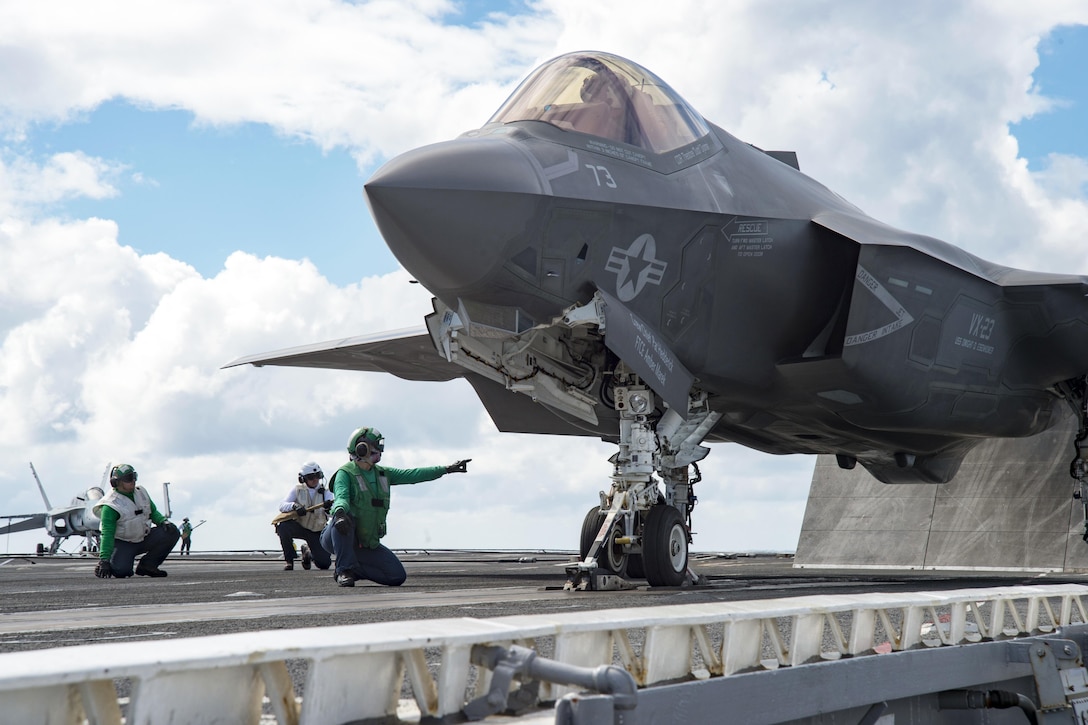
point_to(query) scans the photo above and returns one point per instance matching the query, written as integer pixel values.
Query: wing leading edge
(408, 353)
(29, 523)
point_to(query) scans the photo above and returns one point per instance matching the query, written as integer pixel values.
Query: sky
(181, 185)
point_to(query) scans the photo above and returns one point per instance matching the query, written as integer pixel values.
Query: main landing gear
(637, 531)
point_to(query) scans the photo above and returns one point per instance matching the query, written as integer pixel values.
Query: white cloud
(25, 184)
(1065, 177)
(108, 354)
(374, 76)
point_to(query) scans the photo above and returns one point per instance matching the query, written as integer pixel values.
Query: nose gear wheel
(665, 547)
(611, 556)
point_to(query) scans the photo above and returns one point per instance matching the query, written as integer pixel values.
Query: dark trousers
(186, 542)
(290, 530)
(378, 565)
(155, 547)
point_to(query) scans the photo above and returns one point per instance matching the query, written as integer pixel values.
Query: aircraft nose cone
(449, 211)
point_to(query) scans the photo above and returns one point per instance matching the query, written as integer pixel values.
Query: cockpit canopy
(604, 95)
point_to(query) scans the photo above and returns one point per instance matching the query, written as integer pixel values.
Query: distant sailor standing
(127, 513)
(186, 536)
(361, 489)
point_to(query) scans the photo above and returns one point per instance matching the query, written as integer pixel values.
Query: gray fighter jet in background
(605, 262)
(75, 519)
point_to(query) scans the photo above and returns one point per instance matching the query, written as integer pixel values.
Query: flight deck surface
(57, 601)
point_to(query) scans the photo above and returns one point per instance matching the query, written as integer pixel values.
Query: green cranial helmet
(124, 472)
(365, 441)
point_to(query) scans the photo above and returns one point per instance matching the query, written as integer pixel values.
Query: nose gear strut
(639, 530)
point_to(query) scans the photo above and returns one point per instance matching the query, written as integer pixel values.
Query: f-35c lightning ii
(605, 262)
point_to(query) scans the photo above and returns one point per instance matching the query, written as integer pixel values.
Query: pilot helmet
(592, 87)
(366, 444)
(123, 472)
(309, 469)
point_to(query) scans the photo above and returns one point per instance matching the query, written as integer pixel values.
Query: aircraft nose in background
(450, 210)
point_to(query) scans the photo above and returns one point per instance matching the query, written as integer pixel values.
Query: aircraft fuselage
(813, 327)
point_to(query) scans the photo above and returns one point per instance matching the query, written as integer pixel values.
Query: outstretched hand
(459, 467)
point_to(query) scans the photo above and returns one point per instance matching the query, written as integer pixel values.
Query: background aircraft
(75, 519)
(604, 262)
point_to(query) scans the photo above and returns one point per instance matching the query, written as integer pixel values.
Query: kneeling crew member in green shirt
(361, 490)
(127, 513)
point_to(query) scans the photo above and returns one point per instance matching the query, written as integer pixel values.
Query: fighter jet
(605, 262)
(75, 519)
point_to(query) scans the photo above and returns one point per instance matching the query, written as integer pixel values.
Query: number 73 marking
(600, 174)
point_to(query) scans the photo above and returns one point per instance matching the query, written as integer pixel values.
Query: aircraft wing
(29, 523)
(410, 354)
(407, 353)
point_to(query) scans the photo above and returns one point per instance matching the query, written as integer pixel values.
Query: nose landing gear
(637, 531)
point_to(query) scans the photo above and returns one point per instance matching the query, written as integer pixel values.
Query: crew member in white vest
(127, 514)
(303, 514)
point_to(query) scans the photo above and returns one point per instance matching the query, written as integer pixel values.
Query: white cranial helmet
(309, 469)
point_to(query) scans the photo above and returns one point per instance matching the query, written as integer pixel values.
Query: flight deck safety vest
(314, 520)
(133, 514)
(368, 503)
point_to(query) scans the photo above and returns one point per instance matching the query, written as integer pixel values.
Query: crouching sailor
(127, 514)
(360, 507)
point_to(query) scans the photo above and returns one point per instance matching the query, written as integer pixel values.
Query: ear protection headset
(122, 472)
(363, 447)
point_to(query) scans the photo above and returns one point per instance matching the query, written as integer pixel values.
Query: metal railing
(361, 671)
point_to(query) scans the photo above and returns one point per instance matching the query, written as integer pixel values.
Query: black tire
(610, 556)
(591, 524)
(665, 547)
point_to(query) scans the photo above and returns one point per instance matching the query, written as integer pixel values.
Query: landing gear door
(643, 348)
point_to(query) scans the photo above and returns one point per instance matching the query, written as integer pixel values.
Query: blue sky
(173, 197)
(199, 193)
(1063, 56)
